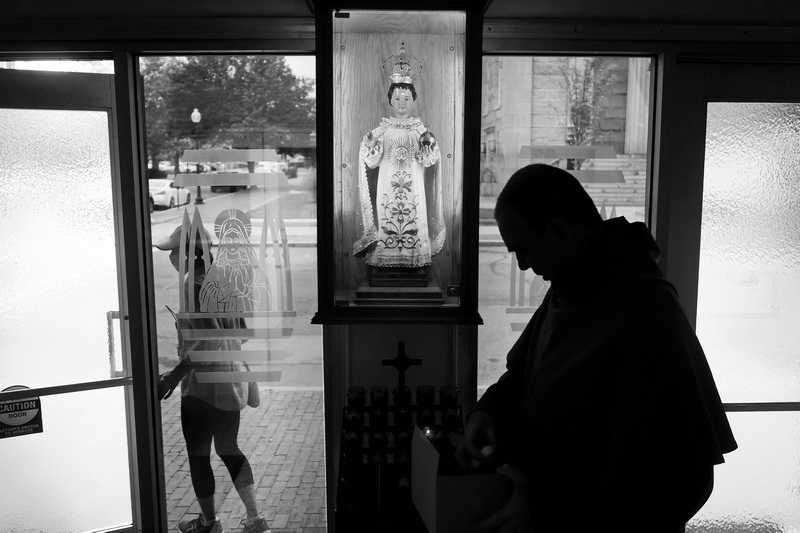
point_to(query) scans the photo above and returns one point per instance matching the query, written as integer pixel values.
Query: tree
(156, 82)
(587, 82)
(240, 98)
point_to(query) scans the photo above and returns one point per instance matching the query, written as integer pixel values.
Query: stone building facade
(525, 103)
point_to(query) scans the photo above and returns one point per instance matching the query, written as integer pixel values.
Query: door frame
(685, 89)
(115, 95)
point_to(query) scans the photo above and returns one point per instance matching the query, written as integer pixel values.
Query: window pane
(238, 132)
(75, 475)
(587, 115)
(756, 488)
(749, 279)
(62, 65)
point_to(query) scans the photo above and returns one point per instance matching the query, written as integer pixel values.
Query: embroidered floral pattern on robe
(405, 226)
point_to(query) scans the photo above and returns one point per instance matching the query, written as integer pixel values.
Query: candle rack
(374, 484)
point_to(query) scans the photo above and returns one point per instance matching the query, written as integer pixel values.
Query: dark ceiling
(781, 13)
(681, 12)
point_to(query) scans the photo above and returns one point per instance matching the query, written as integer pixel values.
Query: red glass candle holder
(379, 396)
(426, 395)
(356, 396)
(378, 417)
(448, 395)
(401, 397)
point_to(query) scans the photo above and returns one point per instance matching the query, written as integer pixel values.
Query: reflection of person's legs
(226, 435)
(197, 425)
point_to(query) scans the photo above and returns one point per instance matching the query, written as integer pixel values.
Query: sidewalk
(284, 441)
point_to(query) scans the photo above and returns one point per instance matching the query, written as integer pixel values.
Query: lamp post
(196, 116)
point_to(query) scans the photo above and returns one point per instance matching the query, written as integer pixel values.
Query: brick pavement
(284, 441)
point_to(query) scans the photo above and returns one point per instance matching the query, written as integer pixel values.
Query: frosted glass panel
(74, 476)
(58, 267)
(756, 489)
(749, 279)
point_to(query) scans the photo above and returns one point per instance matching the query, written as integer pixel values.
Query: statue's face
(231, 241)
(401, 102)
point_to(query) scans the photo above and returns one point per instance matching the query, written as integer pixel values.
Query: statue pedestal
(398, 277)
(429, 294)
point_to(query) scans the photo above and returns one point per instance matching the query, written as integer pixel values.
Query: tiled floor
(284, 441)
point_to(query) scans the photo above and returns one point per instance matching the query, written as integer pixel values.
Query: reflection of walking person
(210, 412)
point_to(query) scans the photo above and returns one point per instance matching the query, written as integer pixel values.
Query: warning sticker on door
(20, 417)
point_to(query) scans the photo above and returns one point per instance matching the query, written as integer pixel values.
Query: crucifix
(401, 363)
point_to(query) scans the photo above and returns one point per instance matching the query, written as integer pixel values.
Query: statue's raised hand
(369, 140)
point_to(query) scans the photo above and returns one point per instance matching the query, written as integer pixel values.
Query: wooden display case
(398, 182)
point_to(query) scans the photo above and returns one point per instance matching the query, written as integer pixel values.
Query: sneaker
(257, 524)
(197, 526)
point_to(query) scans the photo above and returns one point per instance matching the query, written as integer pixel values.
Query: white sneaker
(196, 525)
(257, 524)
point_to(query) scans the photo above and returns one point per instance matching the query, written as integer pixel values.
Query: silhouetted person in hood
(608, 417)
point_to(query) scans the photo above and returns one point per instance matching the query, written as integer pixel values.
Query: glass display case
(398, 185)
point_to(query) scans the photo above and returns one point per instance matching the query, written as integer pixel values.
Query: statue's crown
(403, 67)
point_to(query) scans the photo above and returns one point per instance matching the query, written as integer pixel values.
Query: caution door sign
(20, 417)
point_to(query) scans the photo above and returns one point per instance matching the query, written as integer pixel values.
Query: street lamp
(196, 116)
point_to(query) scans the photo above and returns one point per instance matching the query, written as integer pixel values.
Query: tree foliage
(244, 101)
(587, 81)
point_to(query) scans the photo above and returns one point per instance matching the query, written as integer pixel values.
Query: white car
(165, 193)
(271, 167)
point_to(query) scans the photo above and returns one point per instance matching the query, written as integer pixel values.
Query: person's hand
(479, 433)
(515, 516)
(369, 140)
(166, 384)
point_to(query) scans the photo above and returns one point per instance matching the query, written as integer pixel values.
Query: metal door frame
(115, 95)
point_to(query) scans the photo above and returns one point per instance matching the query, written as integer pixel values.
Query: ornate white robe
(403, 225)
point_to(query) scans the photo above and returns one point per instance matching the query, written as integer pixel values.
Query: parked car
(166, 194)
(293, 164)
(229, 188)
(272, 167)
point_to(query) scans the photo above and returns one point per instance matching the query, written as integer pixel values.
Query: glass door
(232, 181)
(65, 446)
(747, 228)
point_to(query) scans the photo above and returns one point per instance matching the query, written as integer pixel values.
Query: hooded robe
(608, 403)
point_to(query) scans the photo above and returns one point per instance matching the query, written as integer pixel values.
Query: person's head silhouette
(544, 215)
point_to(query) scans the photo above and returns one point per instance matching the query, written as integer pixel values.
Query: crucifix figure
(401, 363)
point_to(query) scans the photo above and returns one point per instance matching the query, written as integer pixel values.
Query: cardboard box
(451, 503)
